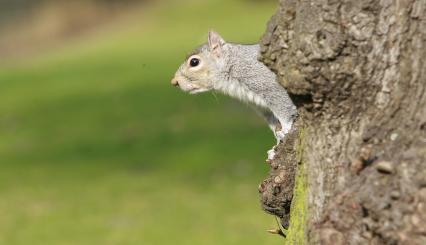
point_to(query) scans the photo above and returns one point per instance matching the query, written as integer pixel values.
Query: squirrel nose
(175, 82)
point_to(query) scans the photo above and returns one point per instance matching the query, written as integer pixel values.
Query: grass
(97, 148)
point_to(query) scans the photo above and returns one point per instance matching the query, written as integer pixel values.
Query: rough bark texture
(357, 71)
(277, 190)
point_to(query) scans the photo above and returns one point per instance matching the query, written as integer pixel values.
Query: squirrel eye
(194, 62)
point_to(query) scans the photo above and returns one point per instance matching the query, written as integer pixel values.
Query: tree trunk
(353, 169)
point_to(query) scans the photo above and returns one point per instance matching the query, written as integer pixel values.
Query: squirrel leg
(286, 122)
(285, 129)
(275, 126)
(281, 129)
(273, 122)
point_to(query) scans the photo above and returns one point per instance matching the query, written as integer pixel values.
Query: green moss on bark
(296, 232)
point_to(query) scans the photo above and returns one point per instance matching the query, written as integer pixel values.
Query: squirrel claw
(280, 135)
(277, 232)
(271, 154)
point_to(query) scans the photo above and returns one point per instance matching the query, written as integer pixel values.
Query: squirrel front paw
(279, 135)
(271, 154)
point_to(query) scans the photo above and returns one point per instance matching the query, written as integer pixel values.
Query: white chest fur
(241, 92)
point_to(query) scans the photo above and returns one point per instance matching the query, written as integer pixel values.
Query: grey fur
(235, 70)
(245, 67)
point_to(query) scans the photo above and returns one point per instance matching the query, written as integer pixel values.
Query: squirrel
(234, 69)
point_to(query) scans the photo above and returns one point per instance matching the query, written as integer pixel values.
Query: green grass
(97, 148)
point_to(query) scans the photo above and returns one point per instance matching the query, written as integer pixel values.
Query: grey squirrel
(234, 69)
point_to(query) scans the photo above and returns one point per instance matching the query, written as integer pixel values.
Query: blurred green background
(96, 147)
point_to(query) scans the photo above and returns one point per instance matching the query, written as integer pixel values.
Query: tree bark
(353, 169)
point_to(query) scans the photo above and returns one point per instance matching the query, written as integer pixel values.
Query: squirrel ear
(215, 41)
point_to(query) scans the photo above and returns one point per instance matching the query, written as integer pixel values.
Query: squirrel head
(203, 67)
